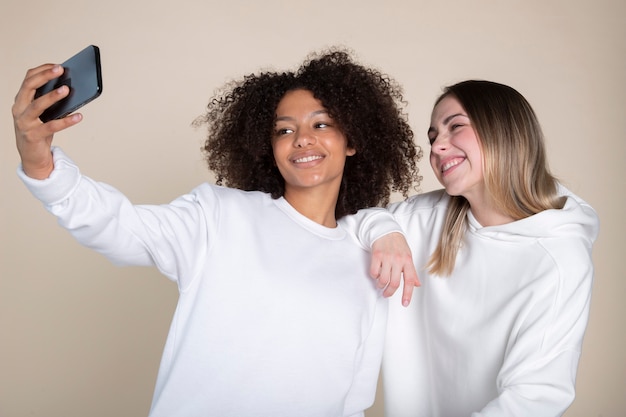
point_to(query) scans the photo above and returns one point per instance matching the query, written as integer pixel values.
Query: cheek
(279, 149)
(476, 157)
(277, 154)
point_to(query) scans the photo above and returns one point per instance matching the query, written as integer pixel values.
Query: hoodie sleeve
(369, 225)
(539, 369)
(102, 218)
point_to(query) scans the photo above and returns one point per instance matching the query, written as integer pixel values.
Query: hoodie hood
(577, 219)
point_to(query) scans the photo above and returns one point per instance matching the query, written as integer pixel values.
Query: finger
(384, 277)
(39, 105)
(35, 78)
(38, 76)
(392, 279)
(378, 271)
(27, 122)
(411, 280)
(48, 129)
(54, 126)
(375, 265)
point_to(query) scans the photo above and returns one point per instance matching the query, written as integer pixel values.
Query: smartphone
(83, 75)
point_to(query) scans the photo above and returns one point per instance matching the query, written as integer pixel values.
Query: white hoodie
(502, 335)
(277, 315)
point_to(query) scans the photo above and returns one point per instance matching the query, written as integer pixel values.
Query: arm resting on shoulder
(392, 261)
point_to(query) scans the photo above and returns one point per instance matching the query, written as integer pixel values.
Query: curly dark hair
(365, 103)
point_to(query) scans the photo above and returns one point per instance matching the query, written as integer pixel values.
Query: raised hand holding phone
(82, 74)
(32, 137)
(49, 93)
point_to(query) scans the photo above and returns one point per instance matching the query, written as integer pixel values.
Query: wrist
(38, 171)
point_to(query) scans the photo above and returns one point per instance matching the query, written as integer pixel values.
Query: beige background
(80, 337)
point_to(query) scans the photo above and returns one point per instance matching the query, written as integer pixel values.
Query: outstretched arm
(33, 137)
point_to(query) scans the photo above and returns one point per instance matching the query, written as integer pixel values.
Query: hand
(391, 262)
(34, 138)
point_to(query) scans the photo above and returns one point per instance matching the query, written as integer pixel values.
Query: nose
(304, 137)
(441, 144)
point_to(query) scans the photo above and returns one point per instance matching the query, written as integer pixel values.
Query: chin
(455, 192)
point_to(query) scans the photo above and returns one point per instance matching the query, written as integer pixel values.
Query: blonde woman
(504, 257)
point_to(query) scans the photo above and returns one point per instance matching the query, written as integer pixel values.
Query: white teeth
(450, 165)
(308, 159)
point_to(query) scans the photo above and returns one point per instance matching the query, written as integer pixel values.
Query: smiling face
(309, 148)
(456, 155)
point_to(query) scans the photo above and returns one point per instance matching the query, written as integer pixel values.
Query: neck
(488, 215)
(317, 205)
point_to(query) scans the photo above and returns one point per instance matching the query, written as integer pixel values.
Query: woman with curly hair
(364, 105)
(276, 314)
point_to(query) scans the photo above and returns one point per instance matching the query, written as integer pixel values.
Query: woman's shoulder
(216, 198)
(432, 200)
(218, 191)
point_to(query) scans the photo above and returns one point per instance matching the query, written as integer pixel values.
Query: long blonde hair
(516, 170)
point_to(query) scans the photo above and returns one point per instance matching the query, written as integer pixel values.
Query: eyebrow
(315, 113)
(452, 116)
(447, 120)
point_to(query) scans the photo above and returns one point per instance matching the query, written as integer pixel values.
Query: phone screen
(83, 75)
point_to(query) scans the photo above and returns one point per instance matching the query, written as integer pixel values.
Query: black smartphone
(83, 75)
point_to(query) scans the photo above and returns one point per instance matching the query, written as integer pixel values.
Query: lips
(451, 163)
(306, 157)
(309, 158)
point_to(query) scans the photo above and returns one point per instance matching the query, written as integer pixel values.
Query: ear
(350, 151)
